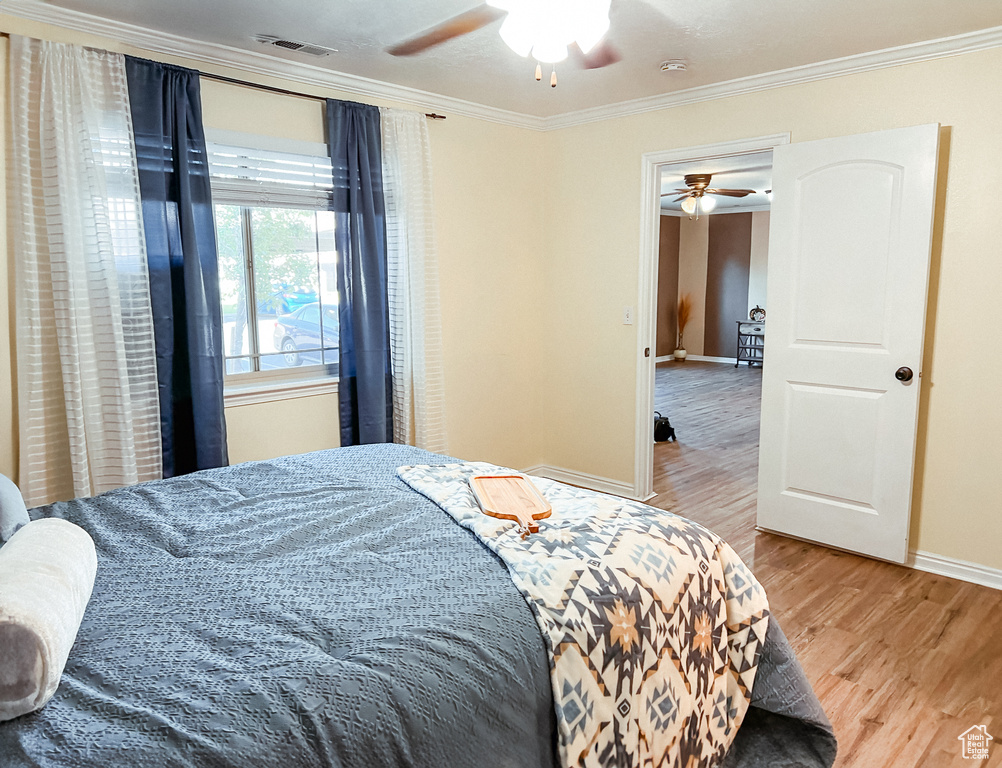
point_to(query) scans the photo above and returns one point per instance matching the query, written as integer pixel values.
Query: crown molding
(260, 63)
(847, 65)
(318, 77)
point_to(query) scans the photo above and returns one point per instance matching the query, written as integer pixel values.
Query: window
(276, 272)
(277, 260)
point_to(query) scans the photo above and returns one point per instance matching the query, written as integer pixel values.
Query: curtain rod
(285, 91)
(271, 88)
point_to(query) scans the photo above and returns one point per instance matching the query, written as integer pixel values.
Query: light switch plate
(627, 315)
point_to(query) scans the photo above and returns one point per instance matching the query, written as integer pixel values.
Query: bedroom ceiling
(720, 40)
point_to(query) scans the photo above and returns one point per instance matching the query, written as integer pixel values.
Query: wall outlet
(627, 315)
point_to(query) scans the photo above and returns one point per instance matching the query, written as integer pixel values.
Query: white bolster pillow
(47, 572)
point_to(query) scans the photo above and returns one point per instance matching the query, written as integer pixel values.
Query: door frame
(650, 220)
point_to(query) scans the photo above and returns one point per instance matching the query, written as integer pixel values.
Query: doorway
(653, 168)
(713, 256)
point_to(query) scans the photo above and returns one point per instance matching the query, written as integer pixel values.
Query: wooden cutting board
(511, 497)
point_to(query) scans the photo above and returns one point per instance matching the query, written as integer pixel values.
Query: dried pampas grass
(684, 309)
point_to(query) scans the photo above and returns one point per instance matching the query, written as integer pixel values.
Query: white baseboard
(955, 569)
(973, 573)
(708, 359)
(584, 480)
(698, 358)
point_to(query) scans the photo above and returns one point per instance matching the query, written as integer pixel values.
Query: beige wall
(693, 251)
(759, 260)
(489, 222)
(280, 428)
(489, 198)
(958, 484)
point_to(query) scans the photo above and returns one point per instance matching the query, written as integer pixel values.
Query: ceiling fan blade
(463, 24)
(602, 55)
(681, 197)
(731, 192)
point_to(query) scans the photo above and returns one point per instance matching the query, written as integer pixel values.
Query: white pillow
(47, 574)
(13, 514)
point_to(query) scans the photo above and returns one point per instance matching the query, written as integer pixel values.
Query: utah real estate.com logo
(974, 742)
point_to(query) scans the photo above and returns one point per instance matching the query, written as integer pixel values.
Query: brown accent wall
(728, 263)
(667, 297)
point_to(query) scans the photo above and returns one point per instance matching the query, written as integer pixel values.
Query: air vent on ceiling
(295, 45)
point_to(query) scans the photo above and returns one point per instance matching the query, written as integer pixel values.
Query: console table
(751, 342)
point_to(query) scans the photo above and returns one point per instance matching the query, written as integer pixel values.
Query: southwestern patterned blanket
(653, 624)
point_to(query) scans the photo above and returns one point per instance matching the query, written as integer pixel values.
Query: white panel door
(848, 276)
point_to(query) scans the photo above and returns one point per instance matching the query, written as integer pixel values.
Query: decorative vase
(679, 354)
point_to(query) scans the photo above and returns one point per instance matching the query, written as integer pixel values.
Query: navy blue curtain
(365, 390)
(184, 275)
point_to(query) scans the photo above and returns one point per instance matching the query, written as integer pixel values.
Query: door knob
(903, 373)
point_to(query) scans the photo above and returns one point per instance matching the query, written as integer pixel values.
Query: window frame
(247, 193)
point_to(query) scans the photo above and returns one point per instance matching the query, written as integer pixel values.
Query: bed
(314, 610)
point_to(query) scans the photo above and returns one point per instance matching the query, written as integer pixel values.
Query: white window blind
(252, 170)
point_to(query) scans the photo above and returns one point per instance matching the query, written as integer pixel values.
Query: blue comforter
(315, 611)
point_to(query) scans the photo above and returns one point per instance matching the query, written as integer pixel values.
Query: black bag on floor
(663, 430)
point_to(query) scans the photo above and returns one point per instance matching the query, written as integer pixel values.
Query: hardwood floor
(903, 661)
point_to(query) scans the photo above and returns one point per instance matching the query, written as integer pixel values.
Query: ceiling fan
(600, 54)
(697, 187)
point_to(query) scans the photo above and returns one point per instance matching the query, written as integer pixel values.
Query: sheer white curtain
(88, 412)
(412, 276)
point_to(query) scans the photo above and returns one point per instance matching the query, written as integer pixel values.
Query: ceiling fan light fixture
(517, 33)
(549, 51)
(550, 29)
(546, 27)
(707, 203)
(689, 205)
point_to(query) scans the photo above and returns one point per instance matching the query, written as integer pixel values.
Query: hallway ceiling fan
(697, 187)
